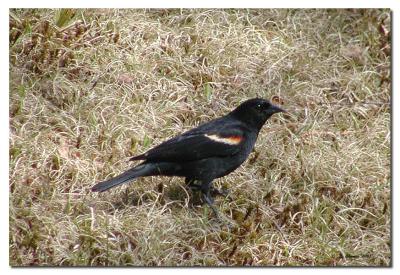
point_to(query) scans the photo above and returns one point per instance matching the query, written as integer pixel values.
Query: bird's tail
(136, 172)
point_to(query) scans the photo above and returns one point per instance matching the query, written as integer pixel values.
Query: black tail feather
(136, 172)
(139, 157)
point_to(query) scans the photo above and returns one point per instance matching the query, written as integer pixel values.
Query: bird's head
(255, 112)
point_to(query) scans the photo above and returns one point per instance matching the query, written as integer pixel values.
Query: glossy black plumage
(210, 151)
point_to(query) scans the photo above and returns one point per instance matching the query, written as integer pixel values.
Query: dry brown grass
(89, 88)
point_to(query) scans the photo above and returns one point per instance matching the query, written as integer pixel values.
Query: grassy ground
(89, 88)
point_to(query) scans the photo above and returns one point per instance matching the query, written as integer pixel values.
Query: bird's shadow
(177, 195)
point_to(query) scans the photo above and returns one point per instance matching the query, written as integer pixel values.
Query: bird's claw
(219, 192)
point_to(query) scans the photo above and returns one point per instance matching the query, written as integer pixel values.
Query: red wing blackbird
(210, 151)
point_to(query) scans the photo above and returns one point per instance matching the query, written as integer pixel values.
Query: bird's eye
(262, 106)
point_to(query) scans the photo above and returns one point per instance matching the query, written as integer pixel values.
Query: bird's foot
(213, 191)
(207, 193)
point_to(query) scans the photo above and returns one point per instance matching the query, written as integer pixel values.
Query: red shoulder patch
(235, 139)
(231, 140)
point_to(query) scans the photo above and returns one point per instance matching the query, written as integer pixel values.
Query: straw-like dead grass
(89, 88)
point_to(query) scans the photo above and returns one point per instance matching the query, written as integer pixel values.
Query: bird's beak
(277, 109)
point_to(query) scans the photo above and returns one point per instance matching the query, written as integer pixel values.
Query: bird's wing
(209, 140)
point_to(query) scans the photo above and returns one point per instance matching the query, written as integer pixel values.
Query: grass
(90, 88)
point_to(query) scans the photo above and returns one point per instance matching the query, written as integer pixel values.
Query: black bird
(210, 151)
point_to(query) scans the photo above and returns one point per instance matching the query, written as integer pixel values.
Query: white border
(205, 4)
(4, 77)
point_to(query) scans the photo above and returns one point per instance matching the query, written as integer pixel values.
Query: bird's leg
(205, 190)
(210, 201)
(213, 191)
(192, 185)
